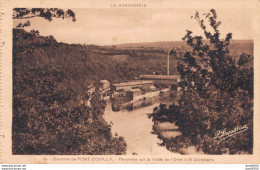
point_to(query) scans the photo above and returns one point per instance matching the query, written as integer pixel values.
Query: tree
(46, 121)
(45, 13)
(46, 116)
(217, 93)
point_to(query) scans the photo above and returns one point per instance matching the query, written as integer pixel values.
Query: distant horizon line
(149, 42)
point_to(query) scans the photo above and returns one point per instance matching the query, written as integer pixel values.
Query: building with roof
(105, 85)
(158, 77)
(90, 89)
(131, 84)
(132, 93)
(161, 79)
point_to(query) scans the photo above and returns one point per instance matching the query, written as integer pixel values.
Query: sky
(109, 26)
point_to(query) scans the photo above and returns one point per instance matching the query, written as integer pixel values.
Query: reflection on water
(136, 128)
(165, 98)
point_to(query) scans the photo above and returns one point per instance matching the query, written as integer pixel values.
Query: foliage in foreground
(46, 116)
(217, 94)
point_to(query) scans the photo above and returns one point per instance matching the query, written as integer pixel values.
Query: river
(136, 128)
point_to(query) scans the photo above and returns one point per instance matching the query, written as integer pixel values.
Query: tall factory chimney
(168, 63)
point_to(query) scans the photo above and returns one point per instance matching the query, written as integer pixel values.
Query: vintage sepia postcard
(130, 82)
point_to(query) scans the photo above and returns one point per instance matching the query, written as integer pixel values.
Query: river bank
(135, 127)
(167, 132)
(142, 135)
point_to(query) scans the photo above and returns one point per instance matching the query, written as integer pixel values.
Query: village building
(105, 85)
(90, 89)
(160, 77)
(132, 93)
(105, 90)
(131, 84)
(170, 80)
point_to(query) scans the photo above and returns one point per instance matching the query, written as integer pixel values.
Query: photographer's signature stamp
(221, 135)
